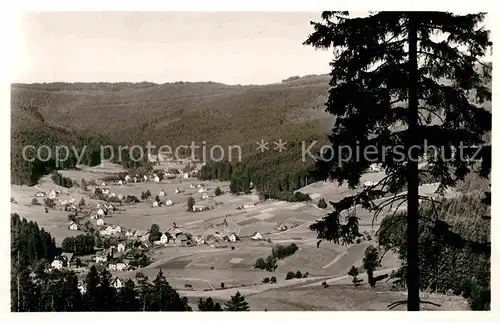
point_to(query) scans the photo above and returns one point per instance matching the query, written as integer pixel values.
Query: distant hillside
(176, 113)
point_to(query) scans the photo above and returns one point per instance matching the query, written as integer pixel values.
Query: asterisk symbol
(280, 145)
(262, 145)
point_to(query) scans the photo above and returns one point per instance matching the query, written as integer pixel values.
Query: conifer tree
(408, 80)
(236, 303)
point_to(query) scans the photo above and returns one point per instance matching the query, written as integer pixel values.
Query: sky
(160, 47)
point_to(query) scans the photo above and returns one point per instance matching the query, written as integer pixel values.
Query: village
(203, 238)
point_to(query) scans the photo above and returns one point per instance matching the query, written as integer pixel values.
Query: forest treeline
(454, 247)
(36, 288)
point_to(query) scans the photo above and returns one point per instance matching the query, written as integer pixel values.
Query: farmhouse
(198, 240)
(135, 179)
(56, 264)
(117, 283)
(162, 193)
(201, 190)
(181, 240)
(156, 179)
(120, 247)
(73, 226)
(185, 175)
(108, 231)
(52, 194)
(100, 221)
(256, 236)
(198, 208)
(127, 178)
(204, 196)
(81, 288)
(248, 206)
(121, 266)
(120, 182)
(155, 204)
(112, 267)
(68, 256)
(168, 202)
(100, 213)
(164, 239)
(117, 229)
(100, 258)
(233, 237)
(281, 226)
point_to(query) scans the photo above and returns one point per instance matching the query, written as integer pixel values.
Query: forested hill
(179, 112)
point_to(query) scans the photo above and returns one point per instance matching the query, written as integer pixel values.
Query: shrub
(145, 195)
(358, 240)
(190, 203)
(34, 201)
(71, 217)
(132, 199)
(273, 280)
(324, 284)
(97, 191)
(217, 191)
(13, 200)
(222, 285)
(232, 247)
(50, 203)
(82, 202)
(260, 264)
(290, 275)
(157, 198)
(322, 203)
(266, 280)
(46, 210)
(298, 274)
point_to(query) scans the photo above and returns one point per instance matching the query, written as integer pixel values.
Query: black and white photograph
(261, 161)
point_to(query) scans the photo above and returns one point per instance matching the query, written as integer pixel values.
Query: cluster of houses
(52, 194)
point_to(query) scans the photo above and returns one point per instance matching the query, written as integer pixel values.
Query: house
(73, 226)
(155, 204)
(117, 229)
(120, 182)
(56, 264)
(233, 237)
(127, 178)
(191, 186)
(164, 239)
(145, 178)
(52, 194)
(181, 240)
(100, 213)
(117, 283)
(281, 226)
(106, 192)
(204, 196)
(185, 175)
(129, 233)
(144, 237)
(135, 179)
(368, 184)
(100, 221)
(375, 168)
(81, 288)
(68, 256)
(247, 206)
(168, 202)
(120, 247)
(156, 179)
(198, 240)
(162, 193)
(198, 208)
(121, 266)
(256, 236)
(112, 267)
(100, 258)
(174, 231)
(108, 231)
(120, 196)
(201, 190)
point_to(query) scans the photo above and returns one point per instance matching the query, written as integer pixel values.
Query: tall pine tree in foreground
(407, 80)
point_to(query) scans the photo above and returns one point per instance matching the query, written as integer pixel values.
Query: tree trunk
(412, 168)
